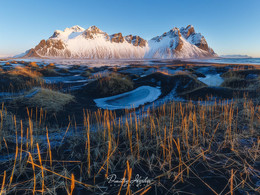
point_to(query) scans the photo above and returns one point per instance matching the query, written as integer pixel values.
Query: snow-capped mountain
(179, 43)
(93, 43)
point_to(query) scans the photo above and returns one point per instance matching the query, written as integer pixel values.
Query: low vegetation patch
(181, 82)
(47, 72)
(242, 83)
(114, 84)
(47, 99)
(235, 82)
(186, 82)
(20, 78)
(86, 73)
(33, 65)
(183, 73)
(241, 73)
(63, 70)
(24, 71)
(50, 66)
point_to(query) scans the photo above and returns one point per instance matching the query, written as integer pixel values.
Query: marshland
(153, 127)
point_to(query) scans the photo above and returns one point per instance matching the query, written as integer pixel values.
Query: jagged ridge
(76, 42)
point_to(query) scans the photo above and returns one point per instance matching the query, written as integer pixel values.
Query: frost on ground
(65, 79)
(212, 80)
(132, 99)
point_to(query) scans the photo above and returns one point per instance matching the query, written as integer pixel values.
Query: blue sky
(229, 26)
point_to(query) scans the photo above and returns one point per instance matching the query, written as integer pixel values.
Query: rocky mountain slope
(93, 43)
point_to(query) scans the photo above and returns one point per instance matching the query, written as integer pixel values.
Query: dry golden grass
(114, 84)
(240, 72)
(47, 99)
(6, 124)
(167, 144)
(20, 78)
(48, 72)
(182, 73)
(241, 83)
(24, 71)
(234, 82)
(13, 62)
(50, 66)
(33, 65)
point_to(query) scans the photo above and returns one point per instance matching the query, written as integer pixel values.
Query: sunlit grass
(170, 139)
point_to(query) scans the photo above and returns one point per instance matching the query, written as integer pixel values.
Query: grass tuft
(47, 99)
(114, 84)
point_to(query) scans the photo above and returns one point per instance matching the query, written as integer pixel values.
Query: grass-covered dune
(46, 99)
(108, 85)
(180, 81)
(19, 78)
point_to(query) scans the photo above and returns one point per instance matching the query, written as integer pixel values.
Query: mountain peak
(189, 30)
(59, 34)
(189, 26)
(94, 29)
(175, 32)
(77, 42)
(77, 28)
(180, 43)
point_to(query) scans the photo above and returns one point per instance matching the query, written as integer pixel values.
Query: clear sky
(229, 26)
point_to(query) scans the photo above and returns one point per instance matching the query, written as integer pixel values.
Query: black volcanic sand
(184, 81)
(205, 93)
(186, 85)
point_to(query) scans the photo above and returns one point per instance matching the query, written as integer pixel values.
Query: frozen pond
(212, 80)
(131, 99)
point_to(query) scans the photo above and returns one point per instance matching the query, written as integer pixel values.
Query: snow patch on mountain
(184, 43)
(93, 43)
(100, 47)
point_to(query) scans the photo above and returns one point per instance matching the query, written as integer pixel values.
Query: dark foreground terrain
(199, 136)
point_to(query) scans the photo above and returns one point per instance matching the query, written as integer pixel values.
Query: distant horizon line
(219, 56)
